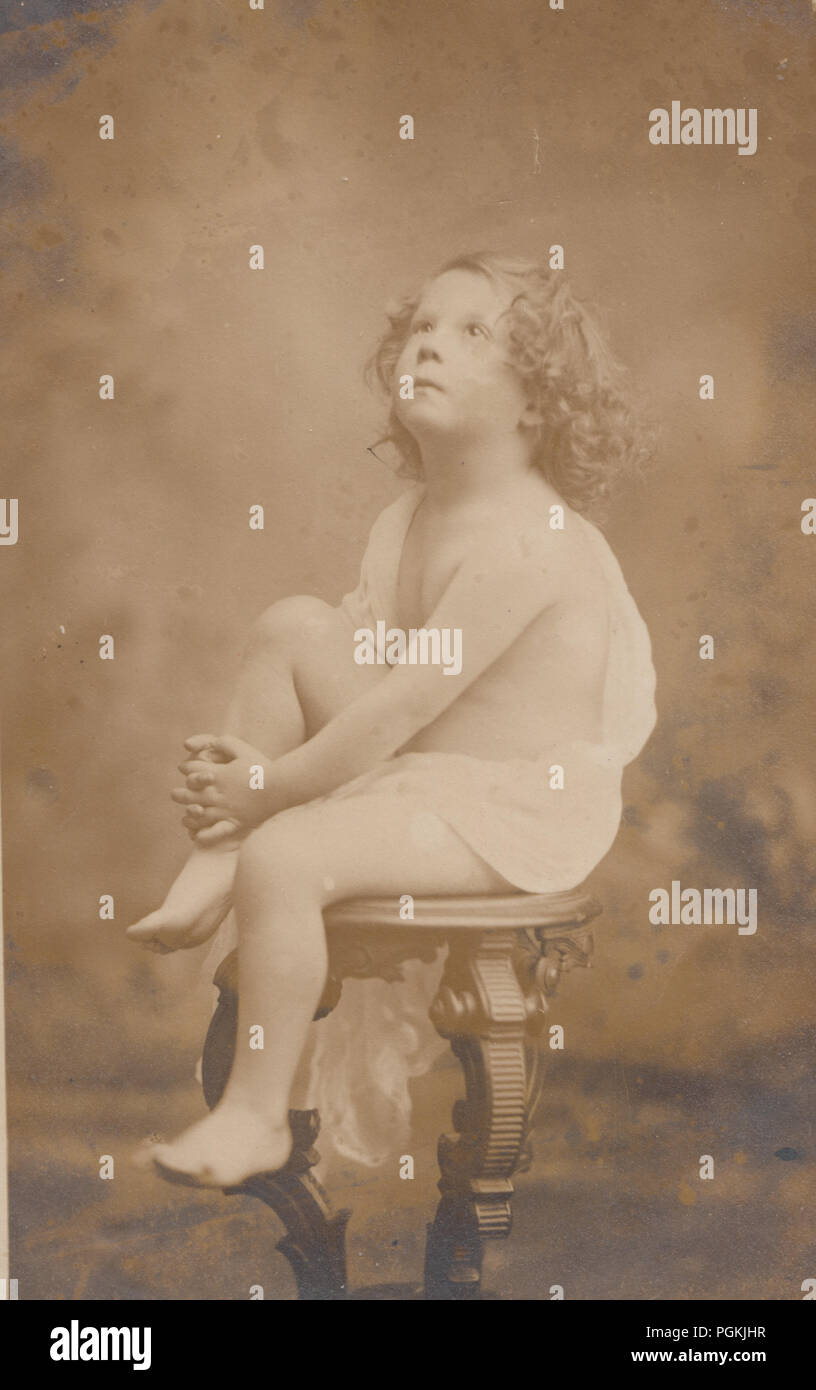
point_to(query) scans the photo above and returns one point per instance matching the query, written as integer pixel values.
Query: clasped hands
(220, 798)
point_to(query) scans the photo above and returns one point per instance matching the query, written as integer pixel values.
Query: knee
(291, 620)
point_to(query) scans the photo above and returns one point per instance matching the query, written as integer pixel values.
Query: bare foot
(196, 904)
(161, 931)
(231, 1144)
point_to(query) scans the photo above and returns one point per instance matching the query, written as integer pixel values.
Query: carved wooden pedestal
(505, 958)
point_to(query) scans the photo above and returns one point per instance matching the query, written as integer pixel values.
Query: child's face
(464, 385)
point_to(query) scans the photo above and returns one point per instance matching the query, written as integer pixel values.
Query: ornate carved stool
(505, 957)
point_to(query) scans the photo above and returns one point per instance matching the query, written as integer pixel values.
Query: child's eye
(475, 329)
(421, 326)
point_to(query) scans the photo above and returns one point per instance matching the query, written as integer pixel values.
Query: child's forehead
(466, 291)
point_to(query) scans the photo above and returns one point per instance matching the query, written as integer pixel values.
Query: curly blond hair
(591, 431)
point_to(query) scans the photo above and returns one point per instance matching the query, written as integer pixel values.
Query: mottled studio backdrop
(234, 387)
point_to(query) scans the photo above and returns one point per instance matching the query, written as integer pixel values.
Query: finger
(197, 818)
(201, 745)
(228, 747)
(199, 780)
(222, 830)
(183, 797)
(213, 756)
(193, 765)
(210, 796)
(197, 742)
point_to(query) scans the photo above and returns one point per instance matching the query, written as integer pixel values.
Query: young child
(408, 778)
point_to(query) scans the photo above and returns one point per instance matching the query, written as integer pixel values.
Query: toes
(140, 931)
(176, 1175)
(147, 934)
(142, 1157)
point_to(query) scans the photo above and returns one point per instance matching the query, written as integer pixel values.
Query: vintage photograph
(406, 541)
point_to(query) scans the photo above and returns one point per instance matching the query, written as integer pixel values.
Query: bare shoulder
(546, 541)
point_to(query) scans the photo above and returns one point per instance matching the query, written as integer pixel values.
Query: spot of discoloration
(48, 236)
(273, 145)
(19, 180)
(40, 781)
(790, 13)
(298, 11)
(793, 346)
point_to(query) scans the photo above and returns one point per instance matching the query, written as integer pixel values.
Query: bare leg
(362, 845)
(298, 672)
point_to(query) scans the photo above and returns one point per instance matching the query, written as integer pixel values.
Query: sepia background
(234, 388)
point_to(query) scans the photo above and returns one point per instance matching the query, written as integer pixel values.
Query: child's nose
(428, 349)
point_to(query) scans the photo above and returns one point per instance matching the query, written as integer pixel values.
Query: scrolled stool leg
(481, 1008)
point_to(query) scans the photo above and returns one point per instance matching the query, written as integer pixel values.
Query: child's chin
(421, 414)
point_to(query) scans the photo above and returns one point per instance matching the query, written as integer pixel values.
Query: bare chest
(430, 556)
